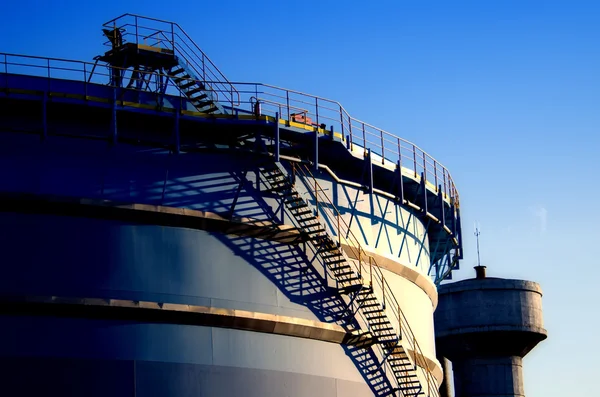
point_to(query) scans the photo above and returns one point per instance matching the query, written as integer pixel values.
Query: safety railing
(269, 100)
(368, 269)
(55, 69)
(386, 148)
(170, 36)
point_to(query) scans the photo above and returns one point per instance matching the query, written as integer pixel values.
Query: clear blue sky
(506, 94)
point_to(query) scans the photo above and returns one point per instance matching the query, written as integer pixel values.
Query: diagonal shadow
(302, 277)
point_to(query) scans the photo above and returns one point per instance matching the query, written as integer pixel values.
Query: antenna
(477, 233)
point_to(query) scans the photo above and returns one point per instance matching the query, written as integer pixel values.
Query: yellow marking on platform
(149, 48)
(266, 118)
(307, 127)
(138, 105)
(97, 99)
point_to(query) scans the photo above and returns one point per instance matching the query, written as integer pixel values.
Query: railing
(169, 35)
(366, 265)
(386, 148)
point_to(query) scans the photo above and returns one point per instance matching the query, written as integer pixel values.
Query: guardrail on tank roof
(296, 107)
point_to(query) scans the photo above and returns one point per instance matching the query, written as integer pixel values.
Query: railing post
(370, 271)
(435, 172)
(444, 177)
(342, 122)
(136, 31)
(350, 133)
(316, 111)
(383, 289)
(425, 166)
(382, 148)
(370, 165)
(415, 351)
(338, 230)
(399, 323)
(173, 36)
(364, 139)
(415, 160)
(287, 102)
(317, 149)
(277, 159)
(316, 198)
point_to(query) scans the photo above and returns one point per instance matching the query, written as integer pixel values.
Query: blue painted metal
(113, 124)
(424, 188)
(316, 150)
(442, 206)
(177, 132)
(369, 165)
(277, 139)
(45, 115)
(425, 235)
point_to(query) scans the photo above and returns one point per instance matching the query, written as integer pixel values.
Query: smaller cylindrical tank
(485, 326)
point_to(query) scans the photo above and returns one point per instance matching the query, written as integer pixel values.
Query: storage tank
(485, 326)
(169, 233)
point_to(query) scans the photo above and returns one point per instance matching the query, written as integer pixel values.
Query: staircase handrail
(360, 254)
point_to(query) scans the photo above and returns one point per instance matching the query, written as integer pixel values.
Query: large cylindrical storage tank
(122, 276)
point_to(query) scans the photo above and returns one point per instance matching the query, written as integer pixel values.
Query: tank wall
(99, 358)
(50, 255)
(84, 257)
(94, 169)
(417, 307)
(95, 258)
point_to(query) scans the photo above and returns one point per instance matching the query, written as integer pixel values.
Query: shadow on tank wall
(299, 273)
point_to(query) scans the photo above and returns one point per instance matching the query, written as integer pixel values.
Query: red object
(301, 118)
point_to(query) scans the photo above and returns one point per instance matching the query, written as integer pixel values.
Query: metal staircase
(363, 285)
(200, 95)
(164, 50)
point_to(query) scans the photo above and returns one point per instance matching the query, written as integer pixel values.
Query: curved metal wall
(52, 255)
(70, 256)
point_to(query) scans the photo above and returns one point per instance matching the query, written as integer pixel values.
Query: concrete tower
(485, 326)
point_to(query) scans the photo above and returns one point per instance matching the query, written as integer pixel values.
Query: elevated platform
(133, 55)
